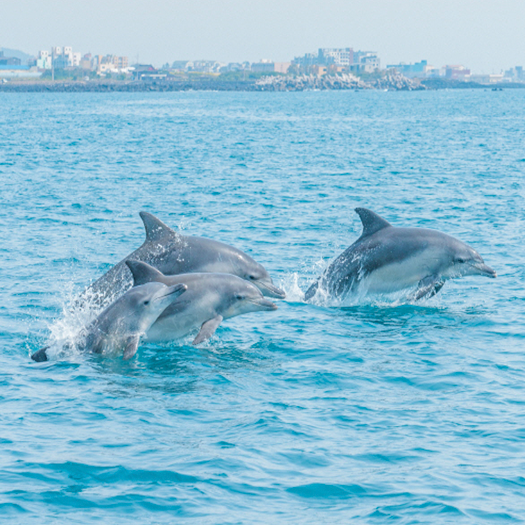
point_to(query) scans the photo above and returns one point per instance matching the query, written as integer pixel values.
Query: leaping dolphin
(210, 298)
(119, 327)
(172, 253)
(388, 259)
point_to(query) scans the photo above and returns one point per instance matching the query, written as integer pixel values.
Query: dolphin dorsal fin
(144, 273)
(372, 222)
(155, 228)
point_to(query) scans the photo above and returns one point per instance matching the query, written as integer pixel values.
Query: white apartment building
(337, 56)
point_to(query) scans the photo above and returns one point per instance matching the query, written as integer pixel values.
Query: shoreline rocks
(345, 81)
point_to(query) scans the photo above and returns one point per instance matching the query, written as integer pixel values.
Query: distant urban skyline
(486, 36)
(369, 60)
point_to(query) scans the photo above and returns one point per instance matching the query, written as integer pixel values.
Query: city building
(44, 60)
(335, 60)
(281, 67)
(86, 62)
(337, 56)
(457, 72)
(143, 70)
(419, 69)
(515, 74)
(306, 61)
(11, 67)
(267, 66)
(9, 61)
(206, 66)
(65, 58)
(487, 79)
(365, 62)
(182, 65)
(106, 64)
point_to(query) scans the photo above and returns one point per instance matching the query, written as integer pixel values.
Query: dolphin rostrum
(210, 298)
(173, 253)
(388, 259)
(120, 326)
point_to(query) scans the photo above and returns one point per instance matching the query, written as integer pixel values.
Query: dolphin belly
(184, 316)
(170, 328)
(395, 277)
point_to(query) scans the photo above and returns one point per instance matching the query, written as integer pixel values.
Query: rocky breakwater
(126, 86)
(397, 82)
(309, 82)
(394, 82)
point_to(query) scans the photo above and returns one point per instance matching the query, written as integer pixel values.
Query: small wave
(324, 490)
(290, 285)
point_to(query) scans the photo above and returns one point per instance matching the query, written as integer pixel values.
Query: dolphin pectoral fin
(437, 287)
(207, 329)
(311, 291)
(132, 347)
(427, 287)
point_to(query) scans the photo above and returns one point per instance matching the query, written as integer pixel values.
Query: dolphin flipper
(427, 287)
(207, 329)
(132, 347)
(311, 291)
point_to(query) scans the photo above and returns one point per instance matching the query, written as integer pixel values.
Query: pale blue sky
(487, 35)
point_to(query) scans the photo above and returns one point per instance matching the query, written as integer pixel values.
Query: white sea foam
(78, 311)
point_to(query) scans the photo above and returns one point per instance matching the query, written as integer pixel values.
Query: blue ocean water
(369, 412)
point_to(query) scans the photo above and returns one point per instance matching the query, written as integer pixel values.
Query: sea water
(370, 411)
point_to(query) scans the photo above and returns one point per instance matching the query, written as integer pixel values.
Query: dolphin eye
(251, 277)
(239, 297)
(460, 260)
(146, 303)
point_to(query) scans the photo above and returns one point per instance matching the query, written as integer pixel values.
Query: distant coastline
(282, 84)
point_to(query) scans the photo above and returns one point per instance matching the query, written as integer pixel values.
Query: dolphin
(172, 253)
(388, 259)
(120, 326)
(210, 298)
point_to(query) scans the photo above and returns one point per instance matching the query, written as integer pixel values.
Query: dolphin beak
(485, 270)
(264, 304)
(269, 289)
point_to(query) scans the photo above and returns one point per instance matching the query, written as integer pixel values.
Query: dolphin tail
(41, 355)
